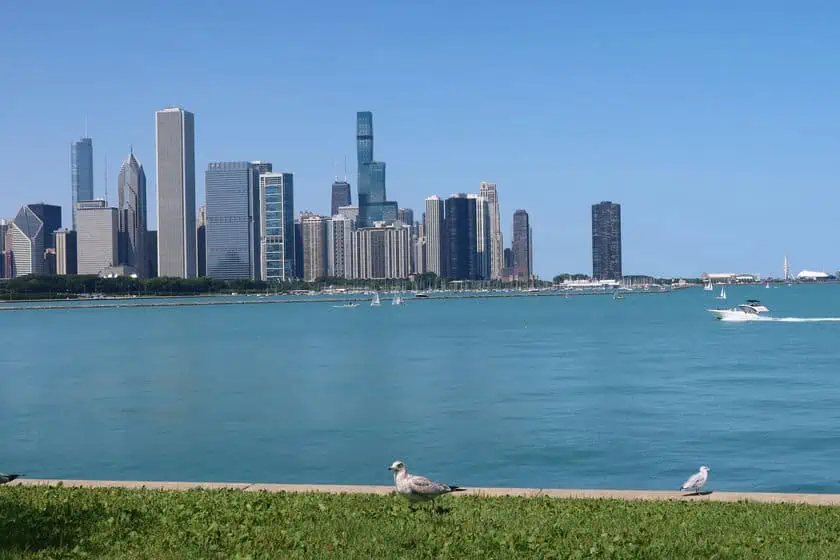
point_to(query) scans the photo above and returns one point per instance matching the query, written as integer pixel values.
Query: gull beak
(390, 468)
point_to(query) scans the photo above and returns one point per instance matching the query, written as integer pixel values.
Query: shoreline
(560, 493)
(34, 305)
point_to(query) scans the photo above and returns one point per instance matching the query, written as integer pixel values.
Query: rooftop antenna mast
(106, 179)
(86, 132)
(345, 168)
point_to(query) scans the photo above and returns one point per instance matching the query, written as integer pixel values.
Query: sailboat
(722, 293)
(375, 301)
(708, 287)
(767, 285)
(398, 300)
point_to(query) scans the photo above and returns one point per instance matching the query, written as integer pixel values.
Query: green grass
(39, 522)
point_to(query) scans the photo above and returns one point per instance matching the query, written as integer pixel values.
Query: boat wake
(801, 319)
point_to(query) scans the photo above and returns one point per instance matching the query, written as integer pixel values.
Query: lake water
(578, 392)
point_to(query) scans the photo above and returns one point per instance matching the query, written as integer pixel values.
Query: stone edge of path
(810, 499)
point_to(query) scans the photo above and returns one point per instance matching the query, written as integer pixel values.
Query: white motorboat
(750, 311)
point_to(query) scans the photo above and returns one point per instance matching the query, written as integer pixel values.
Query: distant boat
(767, 285)
(349, 304)
(722, 293)
(708, 287)
(397, 301)
(616, 295)
(375, 301)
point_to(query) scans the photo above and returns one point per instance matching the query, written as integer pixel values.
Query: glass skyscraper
(521, 245)
(606, 241)
(460, 237)
(340, 196)
(373, 206)
(81, 172)
(277, 226)
(232, 231)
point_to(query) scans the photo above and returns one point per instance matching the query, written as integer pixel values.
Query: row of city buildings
(248, 227)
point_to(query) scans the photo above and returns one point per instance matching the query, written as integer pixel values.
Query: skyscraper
(435, 235)
(406, 216)
(201, 241)
(66, 252)
(606, 241)
(497, 246)
(460, 237)
(233, 220)
(340, 247)
(175, 145)
(96, 236)
(277, 227)
(382, 252)
(29, 235)
(81, 172)
(340, 196)
(373, 206)
(483, 259)
(4, 228)
(314, 246)
(132, 215)
(349, 212)
(521, 246)
(263, 166)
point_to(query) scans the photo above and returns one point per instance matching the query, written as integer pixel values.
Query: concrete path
(812, 499)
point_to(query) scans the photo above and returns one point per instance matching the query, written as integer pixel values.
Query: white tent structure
(812, 275)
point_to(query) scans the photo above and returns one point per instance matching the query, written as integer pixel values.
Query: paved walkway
(812, 499)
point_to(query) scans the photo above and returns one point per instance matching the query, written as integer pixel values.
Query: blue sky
(715, 127)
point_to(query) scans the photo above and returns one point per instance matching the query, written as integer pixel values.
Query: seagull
(418, 488)
(697, 480)
(6, 478)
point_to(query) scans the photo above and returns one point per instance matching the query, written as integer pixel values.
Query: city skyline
(687, 137)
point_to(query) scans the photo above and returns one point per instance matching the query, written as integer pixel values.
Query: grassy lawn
(39, 522)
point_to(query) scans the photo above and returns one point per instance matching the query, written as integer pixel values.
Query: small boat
(375, 301)
(708, 287)
(722, 293)
(617, 295)
(749, 311)
(767, 285)
(421, 295)
(397, 301)
(347, 305)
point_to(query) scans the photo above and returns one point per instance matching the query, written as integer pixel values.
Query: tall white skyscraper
(434, 230)
(314, 229)
(482, 237)
(497, 246)
(175, 146)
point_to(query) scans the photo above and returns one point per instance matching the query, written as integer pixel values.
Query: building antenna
(106, 179)
(345, 168)
(86, 132)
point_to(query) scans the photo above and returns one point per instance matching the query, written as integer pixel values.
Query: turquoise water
(578, 392)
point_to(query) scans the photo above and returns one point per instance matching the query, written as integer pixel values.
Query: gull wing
(422, 486)
(694, 480)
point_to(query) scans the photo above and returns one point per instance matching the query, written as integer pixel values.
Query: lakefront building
(606, 241)
(521, 246)
(132, 216)
(277, 227)
(175, 147)
(232, 230)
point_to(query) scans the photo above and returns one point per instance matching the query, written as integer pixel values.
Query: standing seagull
(6, 478)
(697, 480)
(418, 488)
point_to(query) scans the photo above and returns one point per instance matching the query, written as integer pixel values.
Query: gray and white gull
(418, 488)
(696, 481)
